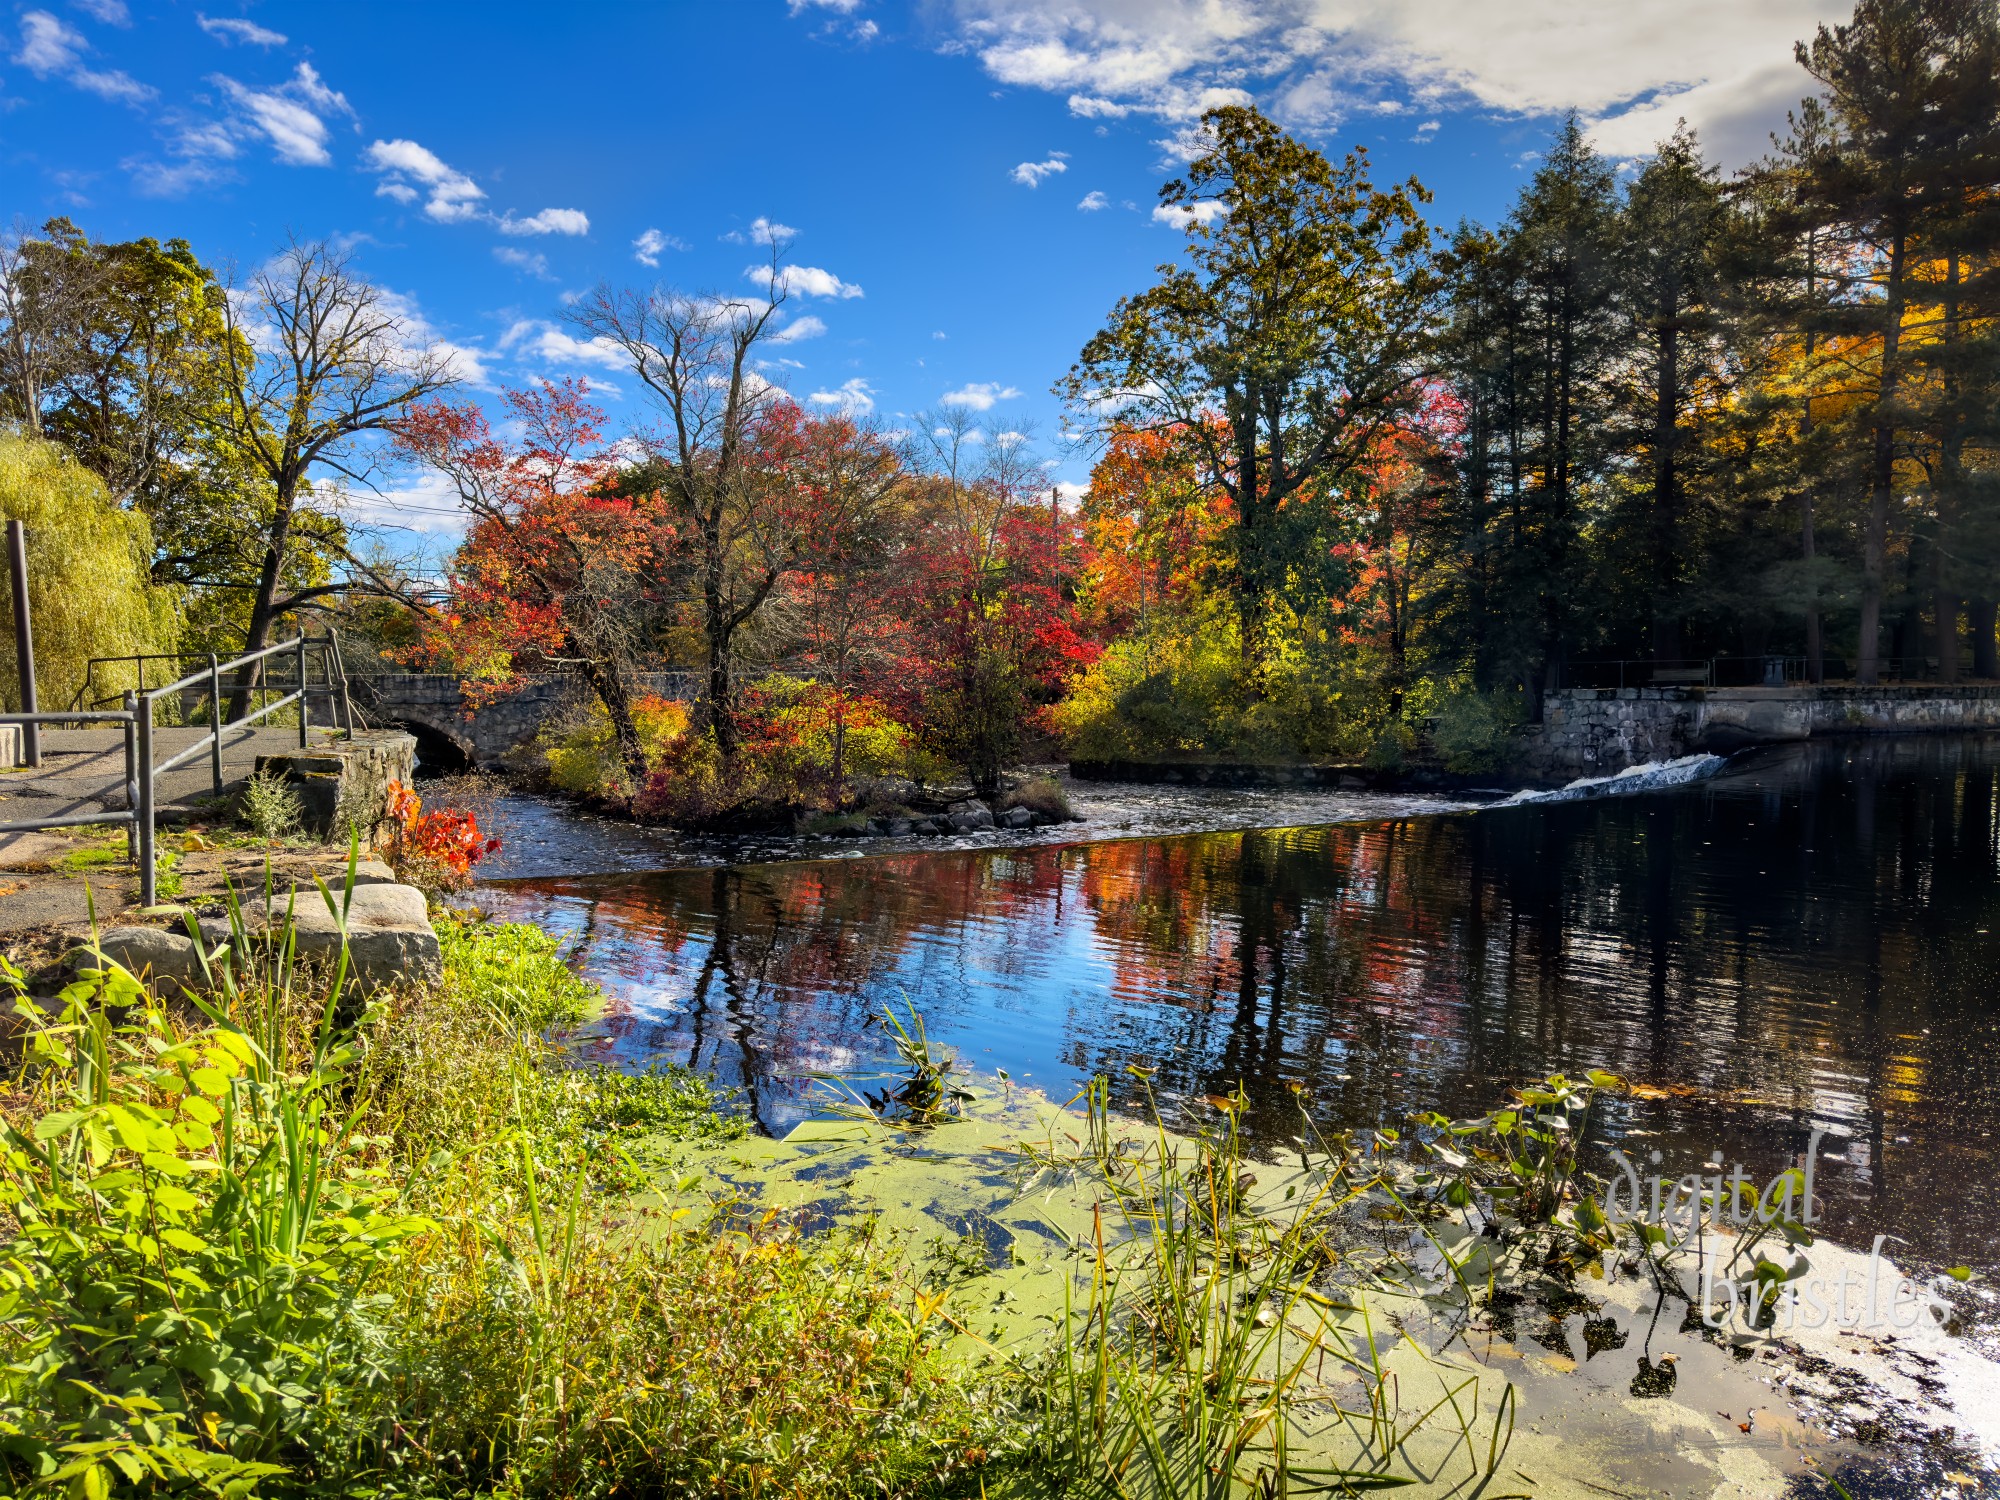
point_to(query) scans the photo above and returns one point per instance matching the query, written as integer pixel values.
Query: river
(1810, 940)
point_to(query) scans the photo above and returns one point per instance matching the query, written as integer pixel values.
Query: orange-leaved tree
(557, 570)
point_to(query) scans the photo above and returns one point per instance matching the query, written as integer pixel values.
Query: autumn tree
(839, 599)
(1290, 336)
(697, 357)
(556, 568)
(1910, 152)
(992, 628)
(318, 364)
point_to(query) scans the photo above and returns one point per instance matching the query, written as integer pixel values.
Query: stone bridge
(453, 736)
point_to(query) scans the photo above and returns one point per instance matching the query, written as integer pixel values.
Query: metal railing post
(132, 778)
(215, 721)
(305, 698)
(148, 874)
(338, 671)
(24, 639)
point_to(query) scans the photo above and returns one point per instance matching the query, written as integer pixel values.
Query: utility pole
(24, 638)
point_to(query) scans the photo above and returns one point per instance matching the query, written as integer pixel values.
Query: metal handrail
(137, 717)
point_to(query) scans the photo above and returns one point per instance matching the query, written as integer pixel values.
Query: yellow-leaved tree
(90, 590)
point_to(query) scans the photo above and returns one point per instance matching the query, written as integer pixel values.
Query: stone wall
(346, 782)
(1599, 731)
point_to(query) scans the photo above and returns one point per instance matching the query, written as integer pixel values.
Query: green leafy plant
(271, 806)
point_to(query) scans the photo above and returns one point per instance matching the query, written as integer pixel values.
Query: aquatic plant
(1212, 1314)
(924, 1094)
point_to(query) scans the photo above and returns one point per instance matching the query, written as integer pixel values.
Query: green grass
(516, 968)
(78, 860)
(269, 1248)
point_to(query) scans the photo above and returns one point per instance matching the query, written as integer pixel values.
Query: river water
(1810, 940)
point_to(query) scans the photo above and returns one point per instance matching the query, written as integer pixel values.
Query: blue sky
(970, 182)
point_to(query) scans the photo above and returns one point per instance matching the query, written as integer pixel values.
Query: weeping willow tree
(90, 591)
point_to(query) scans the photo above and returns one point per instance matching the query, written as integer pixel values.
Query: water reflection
(1808, 940)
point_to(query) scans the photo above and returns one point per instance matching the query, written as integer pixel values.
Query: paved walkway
(55, 879)
(83, 770)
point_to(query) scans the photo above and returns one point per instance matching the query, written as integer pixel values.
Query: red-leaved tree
(556, 570)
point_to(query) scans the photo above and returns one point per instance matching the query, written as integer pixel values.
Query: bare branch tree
(319, 359)
(696, 357)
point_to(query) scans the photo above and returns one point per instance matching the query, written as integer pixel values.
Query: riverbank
(543, 835)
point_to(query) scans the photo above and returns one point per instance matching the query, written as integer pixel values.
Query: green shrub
(252, 1251)
(1469, 730)
(582, 753)
(1180, 690)
(194, 1291)
(1392, 748)
(271, 806)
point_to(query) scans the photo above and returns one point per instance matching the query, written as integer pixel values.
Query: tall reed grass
(271, 1242)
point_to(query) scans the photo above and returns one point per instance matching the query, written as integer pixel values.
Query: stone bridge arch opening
(438, 753)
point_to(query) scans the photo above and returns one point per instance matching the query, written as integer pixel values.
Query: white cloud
(762, 231)
(531, 337)
(1631, 69)
(807, 327)
(110, 12)
(806, 281)
(867, 31)
(231, 29)
(291, 116)
(856, 397)
(1070, 491)
(454, 197)
(1031, 173)
(548, 221)
(979, 396)
(843, 7)
(1091, 202)
(427, 504)
(116, 85)
(523, 260)
(647, 248)
(1176, 217)
(49, 48)
(1090, 107)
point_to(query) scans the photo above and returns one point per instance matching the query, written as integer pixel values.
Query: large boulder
(389, 932)
(160, 957)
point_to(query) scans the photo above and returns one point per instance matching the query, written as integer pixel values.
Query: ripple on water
(1804, 942)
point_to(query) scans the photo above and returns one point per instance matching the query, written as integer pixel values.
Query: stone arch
(439, 752)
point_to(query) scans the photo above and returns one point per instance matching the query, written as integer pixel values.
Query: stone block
(11, 753)
(389, 932)
(346, 784)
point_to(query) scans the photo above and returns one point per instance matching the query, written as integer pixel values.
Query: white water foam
(1653, 776)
